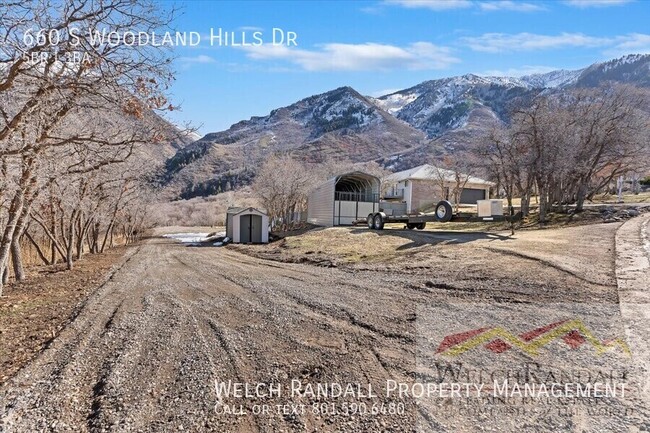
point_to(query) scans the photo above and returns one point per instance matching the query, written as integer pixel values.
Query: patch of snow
(553, 79)
(188, 238)
(395, 102)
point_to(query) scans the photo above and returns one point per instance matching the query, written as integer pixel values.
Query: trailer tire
(421, 226)
(379, 221)
(411, 226)
(444, 211)
(370, 220)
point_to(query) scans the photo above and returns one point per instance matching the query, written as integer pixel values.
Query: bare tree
(569, 146)
(282, 185)
(451, 174)
(85, 114)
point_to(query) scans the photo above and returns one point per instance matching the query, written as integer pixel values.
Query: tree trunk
(15, 210)
(78, 228)
(542, 205)
(580, 198)
(69, 239)
(56, 245)
(109, 232)
(16, 253)
(68, 253)
(525, 204)
(53, 249)
(619, 189)
(17, 260)
(96, 238)
(39, 251)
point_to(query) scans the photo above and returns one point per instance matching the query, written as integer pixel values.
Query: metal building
(343, 199)
(247, 225)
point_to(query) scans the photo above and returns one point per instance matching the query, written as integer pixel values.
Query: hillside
(399, 130)
(340, 124)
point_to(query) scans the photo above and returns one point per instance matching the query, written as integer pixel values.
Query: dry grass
(201, 211)
(32, 262)
(350, 245)
(643, 197)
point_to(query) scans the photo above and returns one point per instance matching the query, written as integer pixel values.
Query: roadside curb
(632, 277)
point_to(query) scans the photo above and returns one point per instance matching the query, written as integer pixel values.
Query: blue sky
(381, 46)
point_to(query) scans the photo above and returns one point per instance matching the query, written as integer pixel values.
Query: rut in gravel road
(146, 350)
(144, 353)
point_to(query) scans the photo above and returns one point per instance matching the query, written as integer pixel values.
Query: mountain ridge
(399, 130)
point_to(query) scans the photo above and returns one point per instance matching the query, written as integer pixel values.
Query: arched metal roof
(357, 181)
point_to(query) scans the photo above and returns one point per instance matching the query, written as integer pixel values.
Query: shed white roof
(237, 210)
(430, 172)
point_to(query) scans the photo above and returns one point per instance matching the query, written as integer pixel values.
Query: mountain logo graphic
(573, 333)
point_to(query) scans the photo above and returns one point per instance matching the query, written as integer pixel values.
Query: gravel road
(145, 352)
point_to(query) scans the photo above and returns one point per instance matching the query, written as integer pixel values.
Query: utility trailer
(443, 213)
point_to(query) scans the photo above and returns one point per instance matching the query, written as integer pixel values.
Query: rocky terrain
(340, 124)
(399, 130)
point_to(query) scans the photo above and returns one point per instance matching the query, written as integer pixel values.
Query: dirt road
(147, 349)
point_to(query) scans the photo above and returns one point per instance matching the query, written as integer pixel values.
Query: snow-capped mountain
(340, 124)
(551, 80)
(438, 106)
(633, 69)
(400, 130)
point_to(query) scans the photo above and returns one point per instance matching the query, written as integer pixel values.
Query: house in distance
(420, 188)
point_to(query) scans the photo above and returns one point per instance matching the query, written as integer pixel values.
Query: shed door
(256, 229)
(245, 229)
(472, 195)
(250, 229)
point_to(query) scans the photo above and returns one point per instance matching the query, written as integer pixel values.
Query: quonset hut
(343, 199)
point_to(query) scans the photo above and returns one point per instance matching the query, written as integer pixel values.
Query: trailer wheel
(421, 226)
(443, 211)
(411, 226)
(371, 221)
(379, 222)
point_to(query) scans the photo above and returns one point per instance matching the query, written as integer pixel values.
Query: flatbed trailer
(443, 213)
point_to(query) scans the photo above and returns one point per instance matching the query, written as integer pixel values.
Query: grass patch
(350, 245)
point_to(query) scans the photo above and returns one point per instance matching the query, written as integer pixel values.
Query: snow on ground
(188, 238)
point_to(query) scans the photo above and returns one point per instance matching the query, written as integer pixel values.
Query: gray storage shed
(247, 225)
(343, 199)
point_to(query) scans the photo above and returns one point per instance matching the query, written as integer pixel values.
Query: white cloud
(509, 5)
(491, 5)
(518, 72)
(503, 42)
(634, 43)
(358, 57)
(435, 5)
(615, 46)
(197, 59)
(595, 3)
